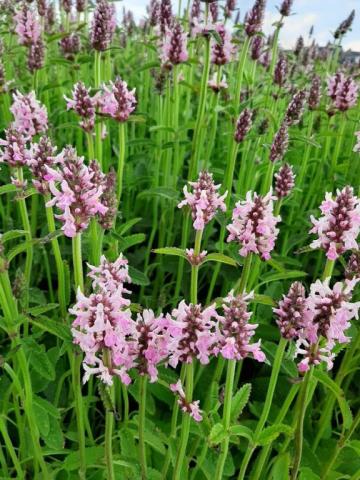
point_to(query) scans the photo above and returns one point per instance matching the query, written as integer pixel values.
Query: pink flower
(27, 26)
(174, 45)
(192, 408)
(221, 52)
(14, 151)
(217, 85)
(79, 196)
(204, 201)
(339, 226)
(41, 156)
(292, 313)
(30, 117)
(343, 91)
(254, 225)
(234, 332)
(195, 259)
(103, 25)
(313, 354)
(330, 311)
(84, 105)
(117, 101)
(285, 181)
(110, 276)
(191, 333)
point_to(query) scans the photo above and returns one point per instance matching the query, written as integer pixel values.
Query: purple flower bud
(70, 45)
(256, 47)
(42, 156)
(221, 52)
(285, 8)
(343, 91)
(14, 151)
(83, 105)
(50, 18)
(280, 143)
(66, 5)
(352, 269)
(195, 9)
(153, 12)
(80, 6)
(41, 7)
(194, 259)
(345, 25)
(295, 108)
(291, 312)
(214, 11)
(243, 125)
(281, 71)
(285, 181)
(339, 225)
(36, 56)
(174, 45)
(314, 93)
(165, 16)
(254, 18)
(103, 25)
(109, 200)
(299, 46)
(230, 6)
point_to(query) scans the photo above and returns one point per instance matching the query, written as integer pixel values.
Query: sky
(324, 15)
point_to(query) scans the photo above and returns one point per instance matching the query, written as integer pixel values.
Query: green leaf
(239, 401)
(242, 431)
(36, 311)
(46, 406)
(274, 277)
(128, 225)
(55, 438)
(137, 277)
(7, 188)
(178, 252)
(93, 456)
(270, 434)
(11, 235)
(217, 434)
(55, 328)
(220, 258)
(339, 394)
(307, 474)
(280, 470)
(263, 300)
(40, 362)
(41, 419)
(163, 192)
(131, 240)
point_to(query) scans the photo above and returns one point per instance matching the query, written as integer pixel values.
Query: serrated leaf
(242, 431)
(220, 258)
(137, 277)
(55, 328)
(271, 433)
(41, 419)
(46, 406)
(239, 401)
(93, 455)
(163, 192)
(339, 394)
(41, 309)
(280, 470)
(40, 362)
(217, 434)
(178, 252)
(55, 438)
(131, 240)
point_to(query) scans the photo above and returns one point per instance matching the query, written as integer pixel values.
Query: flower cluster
(30, 117)
(117, 101)
(41, 156)
(254, 225)
(192, 408)
(285, 181)
(14, 151)
(343, 91)
(281, 71)
(70, 45)
(84, 105)
(345, 25)
(339, 225)
(318, 321)
(254, 18)
(27, 26)
(174, 45)
(285, 8)
(79, 196)
(243, 125)
(234, 332)
(204, 201)
(280, 143)
(221, 51)
(103, 25)
(36, 56)
(295, 108)
(314, 93)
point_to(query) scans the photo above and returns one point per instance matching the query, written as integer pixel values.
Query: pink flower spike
(192, 408)
(116, 100)
(30, 117)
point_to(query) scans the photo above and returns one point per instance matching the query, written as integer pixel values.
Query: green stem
(10, 449)
(58, 259)
(267, 405)
(142, 412)
(121, 161)
(195, 269)
(185, 426)
(98, 125)
(109, 425)
(299, 434)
